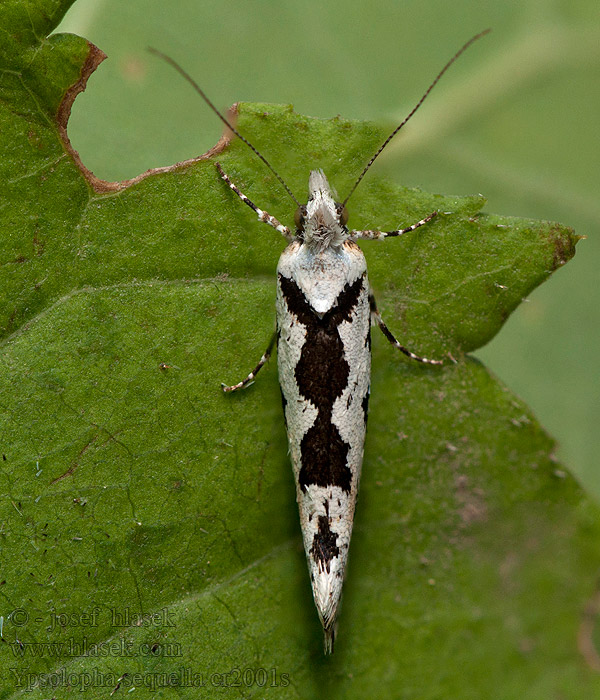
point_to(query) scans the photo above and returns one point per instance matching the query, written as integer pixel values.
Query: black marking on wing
(283, 405)
(324, 547)
(283, 399)
(322, 375)
(324, 457)
(365, 405)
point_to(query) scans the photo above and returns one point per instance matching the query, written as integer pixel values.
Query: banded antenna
(415, 108)
(225, 121)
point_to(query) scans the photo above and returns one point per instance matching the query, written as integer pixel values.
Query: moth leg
(262, 215)
(380, 235)
(255, 371)
(376, 318)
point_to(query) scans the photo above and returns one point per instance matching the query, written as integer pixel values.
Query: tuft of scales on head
(322, 226)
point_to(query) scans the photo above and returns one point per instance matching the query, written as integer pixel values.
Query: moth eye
(299, 216)
(342, 213)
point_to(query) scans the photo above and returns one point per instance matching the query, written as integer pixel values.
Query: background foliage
(516, 119)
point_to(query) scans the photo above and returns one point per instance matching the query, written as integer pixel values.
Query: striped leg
(262, 215)
(376, 318)
(249, 379)
(380, 235)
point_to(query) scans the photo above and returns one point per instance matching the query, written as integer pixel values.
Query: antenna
(199, 90)
(415, 108)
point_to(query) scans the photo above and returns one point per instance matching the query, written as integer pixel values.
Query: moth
(325, 310)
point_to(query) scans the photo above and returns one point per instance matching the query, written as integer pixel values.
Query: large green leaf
(516, 119)
(131, 486)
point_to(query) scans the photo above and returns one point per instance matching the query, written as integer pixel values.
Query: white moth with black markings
(325, 310)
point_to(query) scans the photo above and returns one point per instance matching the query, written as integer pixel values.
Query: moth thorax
(322, 227)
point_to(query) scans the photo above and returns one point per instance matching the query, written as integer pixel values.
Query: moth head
(322, 221)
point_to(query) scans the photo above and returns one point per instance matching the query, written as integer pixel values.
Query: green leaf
(131, 486)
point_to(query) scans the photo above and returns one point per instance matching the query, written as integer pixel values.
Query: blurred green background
(515, 119)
